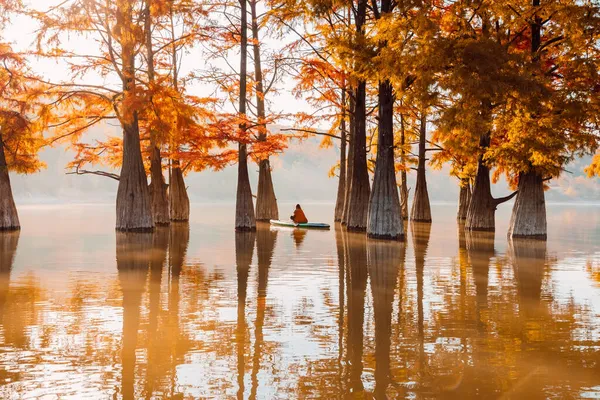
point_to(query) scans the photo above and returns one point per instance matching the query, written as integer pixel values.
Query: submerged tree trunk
(529, 211)
(244, 208)
(350, 159)
(464, 200)
(481, 214)
(266, 201)
(341, 193)
(385, 214)
(179, 202)
(9, 218)
(158, 188)
(404, 183)
(421, 210)
(134, 208)
(360, 191)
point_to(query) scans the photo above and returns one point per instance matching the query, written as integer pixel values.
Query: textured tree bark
(244, 208)
(421, 210)
(360, 190)
(404, 182)
(481, 214)
(134, 207)
(266, 201)
(463, 201)
(383, 263)
(158, 188)
(179, 202)
(385, 214)
(9, 218)
(341, 193)
(529, 211)
(350, 160)
(358, 208)
(133, 259)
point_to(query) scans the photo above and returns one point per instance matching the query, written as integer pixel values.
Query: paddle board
(310, 225)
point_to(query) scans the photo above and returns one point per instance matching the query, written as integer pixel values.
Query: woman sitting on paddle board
(299, 217)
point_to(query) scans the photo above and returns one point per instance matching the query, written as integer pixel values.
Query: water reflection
(356, 250)
(346, 317)
(244, 251)
(384, 260)
(134, 256)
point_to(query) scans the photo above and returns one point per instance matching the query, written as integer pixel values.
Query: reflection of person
(299, 235)
(299, 216)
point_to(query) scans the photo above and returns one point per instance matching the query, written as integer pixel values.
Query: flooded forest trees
(490, 91)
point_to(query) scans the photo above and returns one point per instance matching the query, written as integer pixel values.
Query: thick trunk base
(421, 209)
(158, 191)
(385, 213)
(266, 202)
(463, 202)
(9, 217)
(244, 208)
(134, 207)
(529, 211)
(481, 214)
(179, 202)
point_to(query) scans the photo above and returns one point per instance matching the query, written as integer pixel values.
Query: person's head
(298, 206)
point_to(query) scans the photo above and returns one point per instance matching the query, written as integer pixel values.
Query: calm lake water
(201, 312)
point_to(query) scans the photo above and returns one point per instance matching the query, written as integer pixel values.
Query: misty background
(300, 174)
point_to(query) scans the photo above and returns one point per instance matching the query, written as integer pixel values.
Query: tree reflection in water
(384, 261)
(244, 251)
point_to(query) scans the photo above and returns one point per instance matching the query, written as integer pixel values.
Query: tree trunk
(244, 211)
(341, 193)
(134, 207)
(9, 218)
(385, 214)
(266, 201)
(158, 188)
(529, 211)
(350, 160)
(179, 202)
(360, 190)
(421, 210)
(481, 214)
(464, 200)
(404, 183)
(244, 208)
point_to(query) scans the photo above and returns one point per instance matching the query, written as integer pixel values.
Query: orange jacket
(299, 217)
